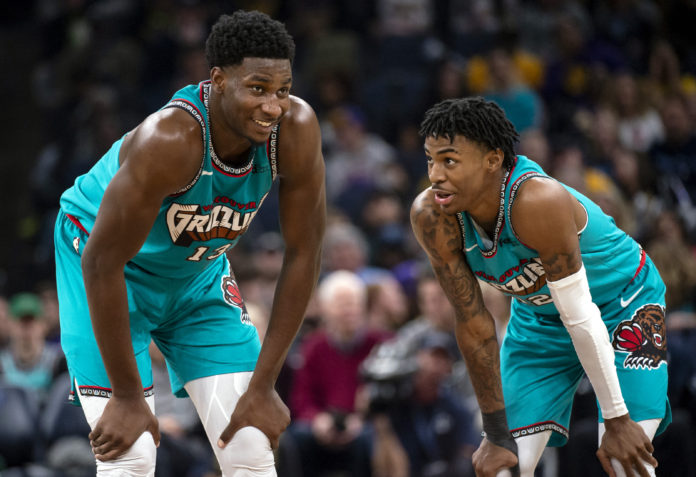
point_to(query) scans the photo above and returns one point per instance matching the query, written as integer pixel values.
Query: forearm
(597, 358)
(583, 321)
(293, 291)
(479, 347)
(108, 304)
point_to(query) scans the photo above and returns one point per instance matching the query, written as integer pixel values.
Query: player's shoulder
(166, 148)
(300, 115)
(540, 192)
(423, 202)
(299, 135)
(174, 124)
(426, 214)
(171, 131)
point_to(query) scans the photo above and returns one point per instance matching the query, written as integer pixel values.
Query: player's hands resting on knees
(625, 441)
(262, 409)
(489, 459)
(123, 421)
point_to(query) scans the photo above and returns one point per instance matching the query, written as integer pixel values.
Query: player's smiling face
(458, 171)
(256, 96)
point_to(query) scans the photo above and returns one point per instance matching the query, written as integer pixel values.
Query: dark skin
(158, 158)
(466, 176)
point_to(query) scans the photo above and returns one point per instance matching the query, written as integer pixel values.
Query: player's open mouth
(443, 198)
(265, 124)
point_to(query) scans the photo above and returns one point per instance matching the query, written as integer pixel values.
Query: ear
(494, 159)
(218, 79)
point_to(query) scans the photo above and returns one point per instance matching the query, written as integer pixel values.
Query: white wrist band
(583, 320)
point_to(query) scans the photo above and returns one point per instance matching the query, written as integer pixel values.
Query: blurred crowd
(603, 93)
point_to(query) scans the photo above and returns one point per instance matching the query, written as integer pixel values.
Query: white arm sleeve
(583, 320)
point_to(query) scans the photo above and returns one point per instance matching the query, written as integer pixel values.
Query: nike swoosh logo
(206, 173)
(625, 303)
(469, 249)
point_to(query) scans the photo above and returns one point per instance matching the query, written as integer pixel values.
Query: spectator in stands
(436, 314)
(534, 143)
(356, 162)
(387, 305)
(434, 427)
(675, 159)
(577, 73)
(631, 25)
(665, 76)
(639, 123)
(520, 102)
(346, 248)
(674, 257)
(29, 361)
(49, 304)
(634, 175)
(327, 432)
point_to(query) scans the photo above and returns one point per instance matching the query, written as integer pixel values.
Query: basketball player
(140, 249)
(586, 297)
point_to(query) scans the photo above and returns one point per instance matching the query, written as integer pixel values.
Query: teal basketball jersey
(611, 258)
(200, 222)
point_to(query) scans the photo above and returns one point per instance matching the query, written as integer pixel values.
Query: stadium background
(589, 83)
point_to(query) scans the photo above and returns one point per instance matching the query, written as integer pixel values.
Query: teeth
(263, 123)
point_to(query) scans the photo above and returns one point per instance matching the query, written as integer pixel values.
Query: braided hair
(475, 118)
(249, 34)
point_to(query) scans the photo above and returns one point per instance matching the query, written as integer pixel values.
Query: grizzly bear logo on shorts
(643, 337)
(232, 296)
(231, 292)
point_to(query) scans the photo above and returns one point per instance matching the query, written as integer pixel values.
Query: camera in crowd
(387, 374)
(389, 369)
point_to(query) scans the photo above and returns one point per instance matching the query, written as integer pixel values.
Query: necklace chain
(501, 215)
(237, 171)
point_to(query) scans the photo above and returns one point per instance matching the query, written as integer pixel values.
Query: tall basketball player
(140, 251)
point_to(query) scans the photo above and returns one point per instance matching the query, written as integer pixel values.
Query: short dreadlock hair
(247, 35)
(476, 119)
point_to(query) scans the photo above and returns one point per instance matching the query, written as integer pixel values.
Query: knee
(527, 469)
(247, 454)
(138, 461)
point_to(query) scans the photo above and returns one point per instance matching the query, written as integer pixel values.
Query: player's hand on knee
(489, 459)
(122, 422)
(625, 441)
(262, 409)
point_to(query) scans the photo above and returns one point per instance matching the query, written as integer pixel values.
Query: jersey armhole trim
(513, 193)
(193, 111)
(272, 151)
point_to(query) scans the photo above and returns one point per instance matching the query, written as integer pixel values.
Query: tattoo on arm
(455, 277)
(440, 236)
(560, 265)
(483, 365)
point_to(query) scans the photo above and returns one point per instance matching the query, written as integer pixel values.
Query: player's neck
(489, 213)
(230, 147)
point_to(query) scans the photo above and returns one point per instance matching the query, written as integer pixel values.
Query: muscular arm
(302, 215)
(439, 236)
(547, 218)
(157, 158)
(302, 204)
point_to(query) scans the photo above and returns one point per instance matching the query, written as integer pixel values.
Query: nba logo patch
(76, 244)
